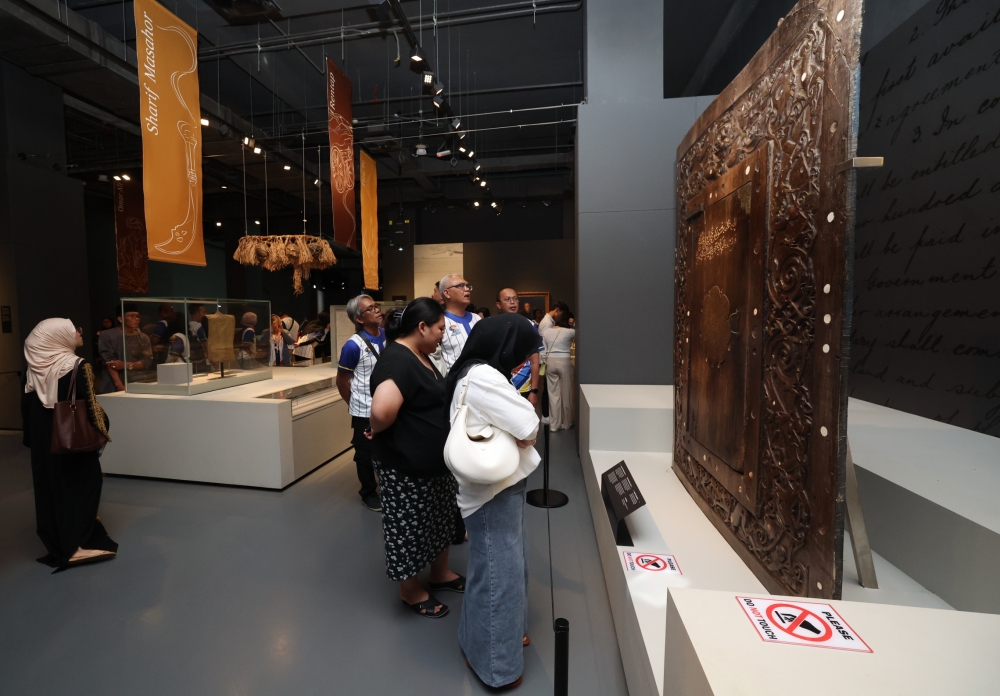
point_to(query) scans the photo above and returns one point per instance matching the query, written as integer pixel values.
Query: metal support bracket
(856, 527)
(860, 163)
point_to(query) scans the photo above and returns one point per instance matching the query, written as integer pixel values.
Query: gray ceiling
(512, 70)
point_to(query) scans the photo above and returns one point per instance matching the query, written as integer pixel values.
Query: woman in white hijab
(67, 486)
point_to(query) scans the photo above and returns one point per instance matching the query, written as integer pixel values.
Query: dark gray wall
(624, 56)
(626, 202)
(41, 209)
(536, 266)
(926, 324)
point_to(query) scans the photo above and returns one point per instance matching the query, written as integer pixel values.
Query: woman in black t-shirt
(408, 436)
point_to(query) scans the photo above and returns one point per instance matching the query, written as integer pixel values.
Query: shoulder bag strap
(72, 382)
(368, 343)
(461, 398)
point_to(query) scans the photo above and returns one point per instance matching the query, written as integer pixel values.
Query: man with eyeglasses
(456, 293)
(354, 371)
(525, 375)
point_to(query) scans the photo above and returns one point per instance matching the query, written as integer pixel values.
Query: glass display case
(191, 346)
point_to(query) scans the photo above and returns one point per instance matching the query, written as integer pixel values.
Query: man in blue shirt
(525, 376)
(456, 293)
(357, 360)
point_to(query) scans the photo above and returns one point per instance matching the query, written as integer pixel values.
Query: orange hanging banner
(369, 220)
(130, 234)
(338, 97)
(170, 109)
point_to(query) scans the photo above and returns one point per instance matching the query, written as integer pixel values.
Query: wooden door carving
(763, 286)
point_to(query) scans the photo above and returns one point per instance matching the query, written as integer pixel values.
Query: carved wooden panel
(763, 287)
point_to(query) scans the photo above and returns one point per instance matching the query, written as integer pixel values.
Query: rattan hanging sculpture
(300, 251)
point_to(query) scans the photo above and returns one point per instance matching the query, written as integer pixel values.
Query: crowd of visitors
(404, 375)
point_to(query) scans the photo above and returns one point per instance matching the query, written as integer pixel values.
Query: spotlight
(478, 166)
(438, 100)
(443, 151)
(461, 136)
(126, 177)
(438, 88)
(256, 222)
(204, 121)
(421, 149)
(224, 186)
(288, 168)
(316, 183)
(483, 183)
(102, 177)
(248, 141)
(218, 224)
(456, 123)
(475, 203)
(493, 204)
(428, 79)
(256, 150)
(471, 153)
(418, 55)
(117, 178)
(461, 148)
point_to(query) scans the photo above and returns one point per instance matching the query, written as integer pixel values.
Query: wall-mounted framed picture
(532, 301)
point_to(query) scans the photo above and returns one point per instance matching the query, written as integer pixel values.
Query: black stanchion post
(561, 628)
(545, 497)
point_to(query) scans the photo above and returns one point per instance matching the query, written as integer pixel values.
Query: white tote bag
(488, 456)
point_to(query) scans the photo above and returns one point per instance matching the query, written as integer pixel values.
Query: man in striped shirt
(456, 293)
(354, 371)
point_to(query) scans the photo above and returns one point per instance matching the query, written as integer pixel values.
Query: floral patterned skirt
(418, 519)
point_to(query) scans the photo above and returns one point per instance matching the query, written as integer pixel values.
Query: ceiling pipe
(373, 29)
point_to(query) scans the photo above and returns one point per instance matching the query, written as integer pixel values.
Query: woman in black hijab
(493, 627)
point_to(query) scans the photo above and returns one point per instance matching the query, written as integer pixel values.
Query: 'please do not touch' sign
(801, 623)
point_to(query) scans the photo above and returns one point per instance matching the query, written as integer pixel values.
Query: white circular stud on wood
(826, 289)
(755, 311)
(804, 76)
(840, 16)
(823, 431)
(819, 586)
(830, 217)
(826, 347)
(827, 318)
(747, 170)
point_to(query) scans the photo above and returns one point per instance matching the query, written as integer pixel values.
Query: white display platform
(228, 436)
(712, 649)
(616, 422)
(930, 493)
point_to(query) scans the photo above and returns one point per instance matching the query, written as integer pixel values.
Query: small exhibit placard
(801, 623)
(621, 489)
(650, 563)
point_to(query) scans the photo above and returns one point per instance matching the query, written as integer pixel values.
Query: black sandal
(456, 585)
(426, 607)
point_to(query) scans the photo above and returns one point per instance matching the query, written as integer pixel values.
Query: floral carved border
(783, 107)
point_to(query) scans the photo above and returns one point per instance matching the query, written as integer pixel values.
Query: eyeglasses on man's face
(460, 286)
(373, 308)
(513, 298)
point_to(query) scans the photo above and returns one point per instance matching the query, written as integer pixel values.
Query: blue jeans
(495, 607)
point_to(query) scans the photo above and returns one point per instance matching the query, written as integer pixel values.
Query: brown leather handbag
(72, 431)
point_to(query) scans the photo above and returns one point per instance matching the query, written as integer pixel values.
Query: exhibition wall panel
(536, 266)
(625, 228)
(431, 262)
(926, 326)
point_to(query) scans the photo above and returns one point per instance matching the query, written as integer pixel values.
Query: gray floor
(238, 592)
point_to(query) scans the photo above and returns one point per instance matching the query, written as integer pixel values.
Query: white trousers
(559, 381)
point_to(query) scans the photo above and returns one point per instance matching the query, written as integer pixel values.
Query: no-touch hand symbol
(651, 562)
(799, 622)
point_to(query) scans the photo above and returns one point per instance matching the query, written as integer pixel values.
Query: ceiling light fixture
(248, 141)
(126, 177)
(288, 168)
(224, 186)
(475, 203)
(117, 178)
(456, 123)
(493, 204)
(438, 101)
(256, 150)
(317, 182)
(478, 166)
(418, 55)
(471, 153)
(483, 183)
(218, 224)
(421, 149)
(256, 222)
(461, 148)
(438, 88)
(428, 79)
(443, 151)
(204, 121)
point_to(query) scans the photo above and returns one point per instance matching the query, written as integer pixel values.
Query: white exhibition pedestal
(635, 424)
(229, 436)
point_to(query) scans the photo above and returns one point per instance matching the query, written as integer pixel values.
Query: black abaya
(67, 486)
